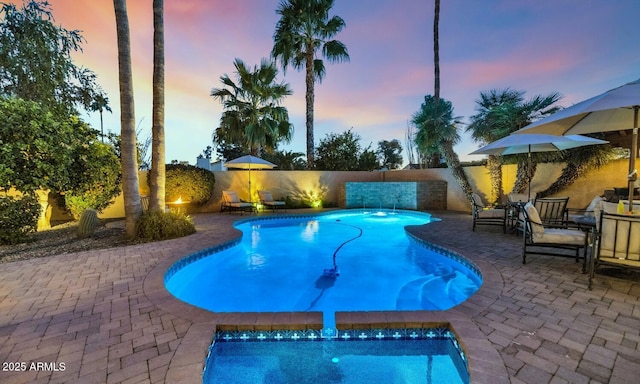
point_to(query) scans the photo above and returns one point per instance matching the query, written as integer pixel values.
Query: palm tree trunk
(157, 187)
(524, 174)
(570, 173)
(451, 157)
(494, 164)
(131, 191)
(436, 51)
(309, 100)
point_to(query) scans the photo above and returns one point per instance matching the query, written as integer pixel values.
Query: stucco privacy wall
(326, 184)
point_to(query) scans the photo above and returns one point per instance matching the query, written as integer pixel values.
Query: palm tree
(157, 179)
(499, 113)
(131, 194)
(254, 117)
(578, 162)
(437, 131)
(303, 29)
(100, 103)
(436, 51)
(490, 124)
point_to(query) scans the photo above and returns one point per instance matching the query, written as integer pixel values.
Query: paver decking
(104, 316)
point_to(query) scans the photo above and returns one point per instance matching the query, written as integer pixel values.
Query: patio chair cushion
(477, 200)
(560, 236)
(589, 211)
(231, 197)
(491, 213)
(615, 240)
(265, 196)
(534, 218)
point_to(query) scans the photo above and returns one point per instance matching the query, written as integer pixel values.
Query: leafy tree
(35, 146)
(390, 154)
(95, 177)
(253, 117)
(206, 153)
(226, 151)
(131, 191)
(158, 171)
(343, 152)
(35, 60)
(305, 28)
(438, 132)
(368, 160)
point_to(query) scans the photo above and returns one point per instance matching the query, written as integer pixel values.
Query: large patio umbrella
(614, 110)
(514, 144)
(249, 162)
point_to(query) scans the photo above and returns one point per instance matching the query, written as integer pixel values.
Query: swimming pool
(282, 264)
(354, 357)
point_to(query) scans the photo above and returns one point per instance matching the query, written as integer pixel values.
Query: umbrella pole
(632, 156)
(529, 173)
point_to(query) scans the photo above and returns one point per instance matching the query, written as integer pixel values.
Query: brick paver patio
(104, 316)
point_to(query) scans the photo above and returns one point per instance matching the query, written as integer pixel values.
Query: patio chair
(552, 210)
(267, 201)
(231, 202)
(589, 211)
(483, 215)
(537, 237)
(618, 242)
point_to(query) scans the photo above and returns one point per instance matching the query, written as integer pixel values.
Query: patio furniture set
(602, 234)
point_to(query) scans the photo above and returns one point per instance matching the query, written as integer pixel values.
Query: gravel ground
(62, 238)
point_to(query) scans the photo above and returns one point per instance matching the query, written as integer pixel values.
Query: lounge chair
(589, 211)
(483, 215)
(618, 242)
(231, 202)
(537, 236)
(267, 201)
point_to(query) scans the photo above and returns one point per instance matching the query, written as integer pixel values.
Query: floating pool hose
(334, 272)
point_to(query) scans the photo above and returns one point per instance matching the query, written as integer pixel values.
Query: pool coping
(187, 365)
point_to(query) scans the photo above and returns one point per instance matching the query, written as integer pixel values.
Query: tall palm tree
(436, 51)
(131, 194)
(157, 179)
(254, 117)
(99, 104)
(437, 131)
(303, 29)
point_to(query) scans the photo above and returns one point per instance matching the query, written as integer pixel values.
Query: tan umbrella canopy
(249, 162)
(614, 110)
(514, 144)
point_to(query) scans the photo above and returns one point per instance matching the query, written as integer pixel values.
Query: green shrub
(156, 225)
(190, 183)
(96, 179)
(18, 218)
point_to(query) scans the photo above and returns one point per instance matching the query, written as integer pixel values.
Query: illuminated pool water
(354, 357)
(283, 264)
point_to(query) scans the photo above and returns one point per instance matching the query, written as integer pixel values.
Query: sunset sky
(578, 48)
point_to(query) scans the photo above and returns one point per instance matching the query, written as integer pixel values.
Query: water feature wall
(419, 195)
